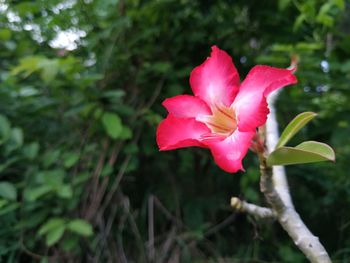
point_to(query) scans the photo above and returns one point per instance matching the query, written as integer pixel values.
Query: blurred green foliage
(81, 178)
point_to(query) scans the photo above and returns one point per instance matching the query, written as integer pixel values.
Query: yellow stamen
(222, 121)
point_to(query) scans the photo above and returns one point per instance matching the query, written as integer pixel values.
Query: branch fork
(274, 186)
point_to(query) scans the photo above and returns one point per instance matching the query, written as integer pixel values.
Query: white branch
(272, 136)
(274, 185)
(252, 209)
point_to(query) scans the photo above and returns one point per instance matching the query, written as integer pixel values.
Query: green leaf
(65, 191)
(34, 193)
(49, 69)
(28, 92)
(306, 152)
(80, 227)
(9, 208)
(299, 21)
(8, 191)
(70, 243)
(8, 163)
(17, 136)
(107, 170)
(3, 202)
(112, 124)
(317, 147)
(113, 95)
(55, 235)
(5, 128)
(51, 224)
(305, 46)
(340, 4)
(81, 178)
(294, 126)
(5, 34)
(126, 133)
(27, 65)
(53, 178)
(70, 159)
(50, 157)
(103, 7)
(283, 4)
(31, 150)
(26, 7)
(161, 67)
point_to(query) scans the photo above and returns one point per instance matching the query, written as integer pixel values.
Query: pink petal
(173, 133)
(228, 154)
(216, 80)
(186, 106)
(250, 103)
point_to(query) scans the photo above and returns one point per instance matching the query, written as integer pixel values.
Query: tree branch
(274, 185)
(252, 209)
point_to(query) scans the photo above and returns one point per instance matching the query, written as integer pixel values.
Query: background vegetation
(81, 178)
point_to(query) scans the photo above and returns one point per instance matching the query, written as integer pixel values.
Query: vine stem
(274, 185)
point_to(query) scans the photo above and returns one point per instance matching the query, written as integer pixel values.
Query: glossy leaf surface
(294, 126)
(306, 152)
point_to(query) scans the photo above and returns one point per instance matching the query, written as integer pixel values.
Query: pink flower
(223, 114)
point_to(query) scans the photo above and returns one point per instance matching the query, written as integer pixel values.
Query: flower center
(222, 121)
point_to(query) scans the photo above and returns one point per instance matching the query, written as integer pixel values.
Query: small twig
(35, 255)
(105, 231)
(329, 44)
(169, 241)
(120, 251)
(166, 212)
(150, 245)
(115, 184)
(227, 221)
(133, 226)
(119, 177)
(175, 256)
(258, 212)
(155, 94)
(92, 206)
(103, 185)
(179, 224)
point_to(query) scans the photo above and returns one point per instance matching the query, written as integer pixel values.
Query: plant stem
(290, 219)
(274, 185)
